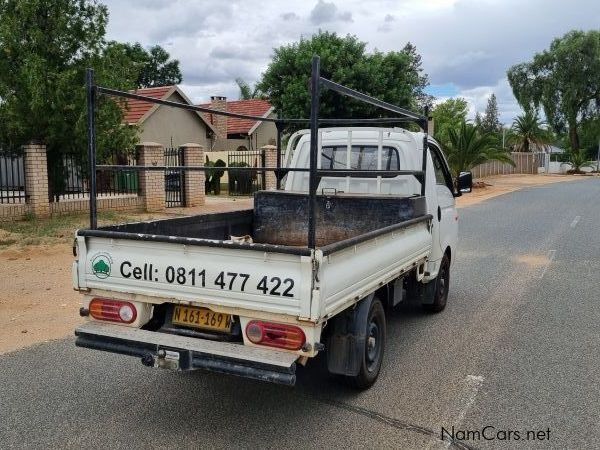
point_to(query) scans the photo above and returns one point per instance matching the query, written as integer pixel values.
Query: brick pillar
(152, 182)
(36, 179)
(270, 161)
(193, 155)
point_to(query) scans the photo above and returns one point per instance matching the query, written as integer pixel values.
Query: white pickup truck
(183, 294)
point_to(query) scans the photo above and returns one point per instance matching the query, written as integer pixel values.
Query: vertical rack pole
(278, 125)
(425, 148)
(91, 126)
(314, 144)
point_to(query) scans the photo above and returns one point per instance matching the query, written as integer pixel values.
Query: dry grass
(55, 230)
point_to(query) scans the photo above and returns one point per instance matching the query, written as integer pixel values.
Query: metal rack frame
(315, 173)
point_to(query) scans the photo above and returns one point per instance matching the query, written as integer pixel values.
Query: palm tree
(247, 92)
(467, 147)
(527, 130)
(577, 160)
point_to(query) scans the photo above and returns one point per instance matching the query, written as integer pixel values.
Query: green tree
(468, 147)
(148, 68)
(448, 115)
(564, 81)
(45, 47)
(590, 137)
(527, 131)
(395, 77)
(490, 122)
(158, 69)
(478, 119)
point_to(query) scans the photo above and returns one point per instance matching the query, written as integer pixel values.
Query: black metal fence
(244, 182)
(174, 179)
(12, 178)
(68, 177)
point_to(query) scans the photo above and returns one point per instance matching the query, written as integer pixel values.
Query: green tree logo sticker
(101, 264)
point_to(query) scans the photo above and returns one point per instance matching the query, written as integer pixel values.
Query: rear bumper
(185, 353)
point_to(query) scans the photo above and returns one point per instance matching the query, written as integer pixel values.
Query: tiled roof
(253, 107)
(136, 109)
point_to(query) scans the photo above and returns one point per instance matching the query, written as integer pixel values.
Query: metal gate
(174, 179)
(245, 182)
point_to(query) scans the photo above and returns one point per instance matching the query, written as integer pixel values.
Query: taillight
(112, 310)
(278, 335)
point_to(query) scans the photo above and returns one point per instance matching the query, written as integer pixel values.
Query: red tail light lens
(278, 335)
(113, 310)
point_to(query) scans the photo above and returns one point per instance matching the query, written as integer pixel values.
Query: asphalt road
(516, 349)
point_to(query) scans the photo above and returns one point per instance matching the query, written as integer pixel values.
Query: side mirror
(464, 182)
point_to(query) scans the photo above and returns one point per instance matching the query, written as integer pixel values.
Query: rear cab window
(362, 157)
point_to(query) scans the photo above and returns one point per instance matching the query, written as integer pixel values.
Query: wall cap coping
(268, 147)
(191, 144)
(149, 144)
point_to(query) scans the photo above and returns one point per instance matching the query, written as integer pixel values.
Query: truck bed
(382, 237)
(280, 218)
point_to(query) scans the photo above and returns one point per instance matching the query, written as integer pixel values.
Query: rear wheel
(442, 284)
(373, 349)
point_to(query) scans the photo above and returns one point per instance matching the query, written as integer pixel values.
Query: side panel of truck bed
(353, 272)
(230, 277)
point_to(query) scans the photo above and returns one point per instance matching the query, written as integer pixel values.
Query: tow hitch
(164, 359)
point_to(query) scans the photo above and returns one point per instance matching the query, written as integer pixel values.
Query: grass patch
(56, 229)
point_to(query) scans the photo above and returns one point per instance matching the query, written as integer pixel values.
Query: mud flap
(347, 340)
(426, 292)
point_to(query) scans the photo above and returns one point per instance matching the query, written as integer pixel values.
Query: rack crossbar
(344, 90)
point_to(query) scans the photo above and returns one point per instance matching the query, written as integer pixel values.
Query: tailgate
(232, 277)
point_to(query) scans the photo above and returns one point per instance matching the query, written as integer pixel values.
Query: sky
(466, 45)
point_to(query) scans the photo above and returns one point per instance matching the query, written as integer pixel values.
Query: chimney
(219, 122)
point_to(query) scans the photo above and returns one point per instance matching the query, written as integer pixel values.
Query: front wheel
(373, 349)
(442, 284)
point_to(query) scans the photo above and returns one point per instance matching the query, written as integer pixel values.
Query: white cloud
(326, 12)
(467, 43)
(478, 97)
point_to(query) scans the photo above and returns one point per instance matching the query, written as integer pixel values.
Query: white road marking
(472, 384)
(551, 254)
(575, 221)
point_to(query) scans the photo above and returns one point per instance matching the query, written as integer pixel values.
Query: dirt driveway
(38, 303)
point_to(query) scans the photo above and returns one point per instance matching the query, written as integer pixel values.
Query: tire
(442, 285)
(372, 356)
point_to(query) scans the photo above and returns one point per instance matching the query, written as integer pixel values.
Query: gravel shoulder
(503, 184)
(37, 300)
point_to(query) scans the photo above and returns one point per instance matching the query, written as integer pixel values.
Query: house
(168, 126)
(241, 134)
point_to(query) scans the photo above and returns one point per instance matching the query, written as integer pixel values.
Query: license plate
(206, 319)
